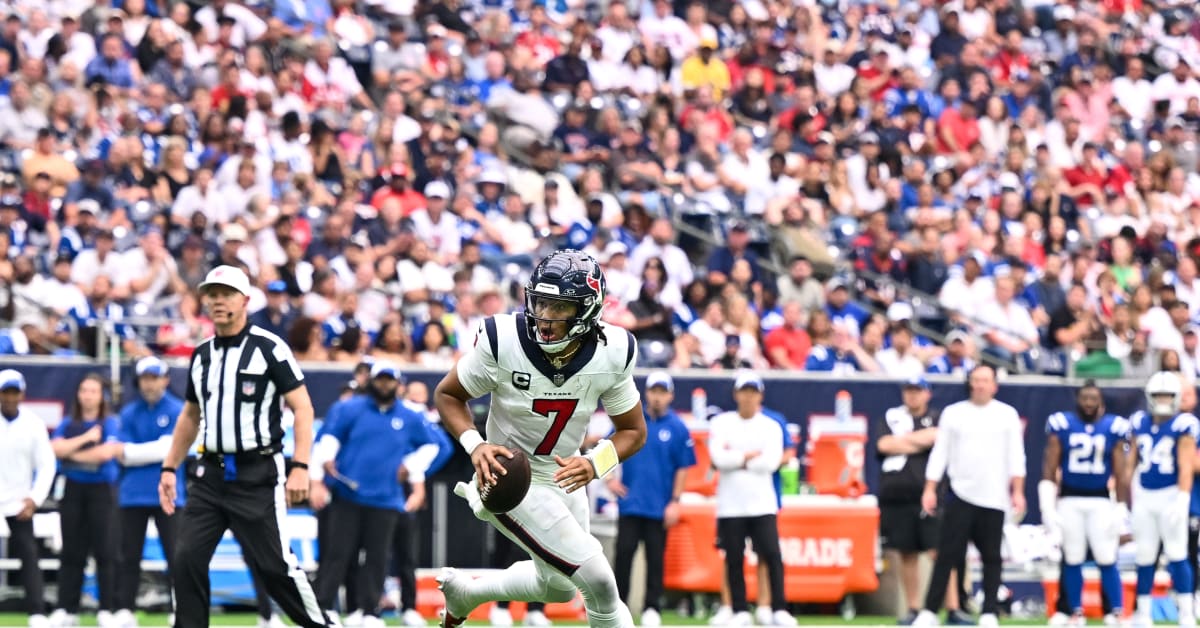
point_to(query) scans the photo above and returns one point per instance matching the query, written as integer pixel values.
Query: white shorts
(1089, 522)
(1153, 523)
(551, 525)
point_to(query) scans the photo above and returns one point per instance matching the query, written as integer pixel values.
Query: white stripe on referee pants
(297, 574)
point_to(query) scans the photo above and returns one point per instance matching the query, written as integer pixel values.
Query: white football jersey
(537, 408)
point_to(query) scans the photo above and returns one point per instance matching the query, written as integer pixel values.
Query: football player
(1086, 448)
(546, 369)
(1165, 445)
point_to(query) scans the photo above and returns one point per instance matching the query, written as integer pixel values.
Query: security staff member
(146, 427)
(237, 380)
(648, 491)
(980, 446)
(906, 434)
(25, 480)
(371, 436)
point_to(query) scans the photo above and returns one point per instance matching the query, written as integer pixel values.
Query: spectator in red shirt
(398, 187)
(1010, 60)
(958, 128)
(876, 73)
(1087, 180)
(788, 345)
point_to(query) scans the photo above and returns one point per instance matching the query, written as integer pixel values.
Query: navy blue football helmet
(566, 275)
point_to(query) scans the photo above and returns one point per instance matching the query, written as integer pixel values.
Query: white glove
(469, 492)
(1048, 503)
(1177, 512)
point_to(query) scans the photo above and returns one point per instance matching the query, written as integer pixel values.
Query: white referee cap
(227, 276)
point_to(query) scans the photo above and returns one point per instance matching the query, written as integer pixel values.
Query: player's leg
(1194, 554)
(1146, 539)
(1173, 531)
(1075, 528)
(1103, 538)
(342, 550)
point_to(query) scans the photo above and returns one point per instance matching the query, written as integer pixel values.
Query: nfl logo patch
(248, 388)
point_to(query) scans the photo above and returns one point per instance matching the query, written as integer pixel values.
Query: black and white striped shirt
(239, 382)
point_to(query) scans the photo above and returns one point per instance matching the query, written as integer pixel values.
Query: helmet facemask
(577, 325)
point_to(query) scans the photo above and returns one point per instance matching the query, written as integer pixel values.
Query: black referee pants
(86, 514)
(133, 543)
(253, 505)
(359, 529)
(963, 523)
(763, 532)
(631, 532)
(22, 545)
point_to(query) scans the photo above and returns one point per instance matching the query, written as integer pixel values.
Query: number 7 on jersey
(559, 411)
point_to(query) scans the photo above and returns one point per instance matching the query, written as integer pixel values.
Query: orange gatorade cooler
(836, 450)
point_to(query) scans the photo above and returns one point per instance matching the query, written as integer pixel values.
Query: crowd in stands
(1019, 176)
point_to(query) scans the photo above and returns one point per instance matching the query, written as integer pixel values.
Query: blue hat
(383, 367)
(10, 378)
(660, 379)
(916, 382)
(278, 285)
(151, 366)
(749, 379)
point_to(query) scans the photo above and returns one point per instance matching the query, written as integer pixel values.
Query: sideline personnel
(146, 426)
(981, 447)
(236, 382)
(25, 480)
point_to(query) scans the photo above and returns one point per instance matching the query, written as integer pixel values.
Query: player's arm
(1185, 454)
(451, 398)
(1122, 451)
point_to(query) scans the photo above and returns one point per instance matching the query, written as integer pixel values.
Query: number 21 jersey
(1157, 446)
(536, 407)
(1087, 450)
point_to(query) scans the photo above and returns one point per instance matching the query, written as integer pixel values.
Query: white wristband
(604, 458)
(470, 440)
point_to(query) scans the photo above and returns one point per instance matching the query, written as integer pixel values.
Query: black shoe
(959, 618)
(908, 618)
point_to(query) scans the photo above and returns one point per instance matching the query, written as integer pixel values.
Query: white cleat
(762, 616)
(1077, 621)
(988, 620)
(926, 619)
(39, 621)
(125, 618)
(1059, 619)
(742, 618)
(651, 619)
(451, 583)
(105, 619)
(353, 620)
(63, 619)
(411, 618)
(1115, 620)
(783, 618)
(371, 621)
(500, 617)
(722, 617)
(539, 619)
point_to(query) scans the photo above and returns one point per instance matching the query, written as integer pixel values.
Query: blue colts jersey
(1157, 447)
(1087, 450)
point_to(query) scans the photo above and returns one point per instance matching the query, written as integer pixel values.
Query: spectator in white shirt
(900, 360)
(436, 226)
(25, 480)
(981, 447)
(1177, 86)
(747, 448)
(663, 28)
(659, 243)
(966, 289)
(1006, 327)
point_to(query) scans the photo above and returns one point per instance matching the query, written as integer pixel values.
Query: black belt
(241, 456)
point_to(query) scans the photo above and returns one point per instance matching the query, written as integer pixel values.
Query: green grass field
(670, 620)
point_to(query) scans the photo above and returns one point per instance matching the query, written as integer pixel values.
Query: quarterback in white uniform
(546, 370)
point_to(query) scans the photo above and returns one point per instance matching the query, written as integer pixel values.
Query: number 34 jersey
(536, 407)
(1087, 450)
(1157, 446)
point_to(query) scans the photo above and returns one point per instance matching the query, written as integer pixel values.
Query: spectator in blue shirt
(720, 263)
(957, 360)
(110, 67)
(147, 425)
(369, 440)
(841, 310)
(648, 493)
(86, 443)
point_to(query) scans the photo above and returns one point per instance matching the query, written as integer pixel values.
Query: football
(510, 489)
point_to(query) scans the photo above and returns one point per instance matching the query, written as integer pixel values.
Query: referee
(236, 382)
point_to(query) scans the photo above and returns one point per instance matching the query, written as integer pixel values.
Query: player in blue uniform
(1084, 450)
(1165, 445)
